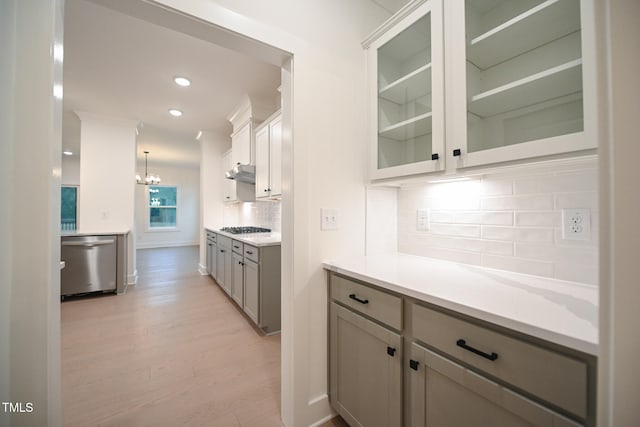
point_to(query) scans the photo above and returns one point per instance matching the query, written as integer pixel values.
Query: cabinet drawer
(224, 242)
(379, 305)
(252, 253)
(553, 377)
(237, 247)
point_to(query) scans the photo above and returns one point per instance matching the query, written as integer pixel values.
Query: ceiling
(119, 66)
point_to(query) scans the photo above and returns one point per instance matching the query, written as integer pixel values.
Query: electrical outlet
(329, 219)
(576, 224)
(423, 220)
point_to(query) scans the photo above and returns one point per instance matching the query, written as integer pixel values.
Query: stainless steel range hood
(243, 173)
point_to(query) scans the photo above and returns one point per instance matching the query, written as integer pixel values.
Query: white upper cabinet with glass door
(519, 79)
(405, 70)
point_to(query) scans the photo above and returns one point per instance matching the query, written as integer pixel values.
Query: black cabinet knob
(457, 152)
(413, 364)
(435, 156)
(391, 351)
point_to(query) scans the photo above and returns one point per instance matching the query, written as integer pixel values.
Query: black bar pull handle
(361, 301)
(457, 152)
(391, 351)
(250, 253)
(435, 156)
(413, 364)
(462, 343)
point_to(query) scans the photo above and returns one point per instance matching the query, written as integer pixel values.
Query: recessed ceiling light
(67, 153)
(182, 81)
(175, 112)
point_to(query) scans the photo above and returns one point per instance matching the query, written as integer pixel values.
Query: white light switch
(423, 220)
(329, 219)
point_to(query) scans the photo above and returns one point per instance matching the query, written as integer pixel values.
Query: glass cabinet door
(408, 95)
(524, 78)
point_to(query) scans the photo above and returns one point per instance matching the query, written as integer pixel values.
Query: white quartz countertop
(255, 239)
(93, 233)
(561, 312)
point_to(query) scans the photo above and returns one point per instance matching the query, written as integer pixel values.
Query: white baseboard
(202, 269)
(321, 403)
(323, 420)
(132, 279)
(155, 245)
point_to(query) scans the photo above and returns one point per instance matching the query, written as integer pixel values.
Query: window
(68, 208)
(163, 206)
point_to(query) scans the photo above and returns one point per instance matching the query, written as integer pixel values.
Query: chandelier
(148, 179)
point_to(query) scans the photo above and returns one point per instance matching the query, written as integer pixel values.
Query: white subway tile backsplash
(538, 219)
(473, 217)
(259, 214)
(520, 265)
(497, 187)
(577, 256)
(511, 222)
(456, 230)
(565, 182)
(586, 199)
(542, 202)
(497, 233)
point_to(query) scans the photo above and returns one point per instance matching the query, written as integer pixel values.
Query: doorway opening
(206, 32)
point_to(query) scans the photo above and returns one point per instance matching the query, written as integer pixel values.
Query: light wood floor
(172, 351)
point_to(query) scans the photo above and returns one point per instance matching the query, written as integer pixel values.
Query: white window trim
(148, 210)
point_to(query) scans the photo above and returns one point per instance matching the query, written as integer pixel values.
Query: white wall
(30, 216)
(70, 170)
(212, 146)
(106, 197)
(107, 174)
(509, 221)
(187, 232)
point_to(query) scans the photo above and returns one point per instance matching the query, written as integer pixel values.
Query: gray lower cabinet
(444, 393)
(456, 371)
(252, 290)
(237, 275)
(250, 275)
(365, 370)
(224, 263)
(262, 286)
(212, 250)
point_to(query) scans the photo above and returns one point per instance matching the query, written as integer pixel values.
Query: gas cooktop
(245, 230)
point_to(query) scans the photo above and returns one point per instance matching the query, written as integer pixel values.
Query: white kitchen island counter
(562, 312)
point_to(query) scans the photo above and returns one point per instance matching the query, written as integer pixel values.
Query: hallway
(173, 350)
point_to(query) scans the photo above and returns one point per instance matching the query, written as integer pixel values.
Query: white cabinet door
(406, 89)
(241, 142)
(252, 290)
(519, 80)
(275, 157)
(229, 185)
(269, 158)
(262, 162)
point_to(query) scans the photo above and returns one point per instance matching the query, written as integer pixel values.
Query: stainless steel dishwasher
(91, 264)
